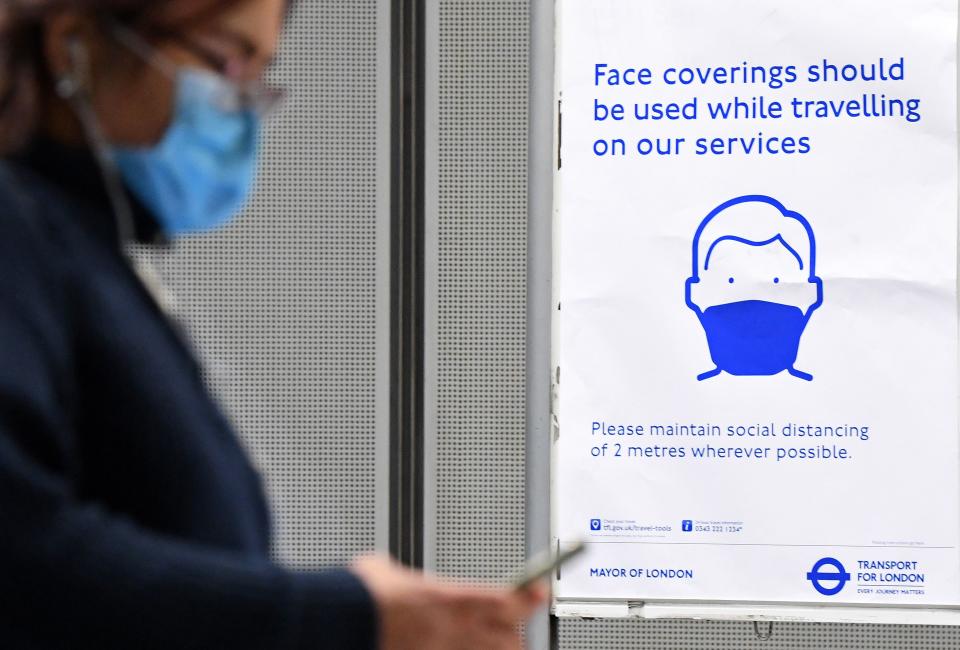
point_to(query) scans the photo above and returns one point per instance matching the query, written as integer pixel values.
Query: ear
(61, 32)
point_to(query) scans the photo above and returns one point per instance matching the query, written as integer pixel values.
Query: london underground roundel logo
(828, 576)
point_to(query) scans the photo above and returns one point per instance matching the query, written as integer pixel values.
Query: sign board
(756, 329)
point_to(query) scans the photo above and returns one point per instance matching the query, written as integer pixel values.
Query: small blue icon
(754, 286)
(595, 524)
(687, 526)
(839, 575)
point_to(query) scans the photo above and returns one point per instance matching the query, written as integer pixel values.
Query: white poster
(756, 338)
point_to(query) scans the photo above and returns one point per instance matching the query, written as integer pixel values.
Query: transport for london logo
(828, 576)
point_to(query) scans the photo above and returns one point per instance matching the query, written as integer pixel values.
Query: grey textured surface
(287, 306)
(477, 228)
(700, 635)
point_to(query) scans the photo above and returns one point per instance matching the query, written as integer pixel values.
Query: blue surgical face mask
(754, 337)
(202, 170)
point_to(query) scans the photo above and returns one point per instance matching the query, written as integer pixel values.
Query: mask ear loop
(74, 88)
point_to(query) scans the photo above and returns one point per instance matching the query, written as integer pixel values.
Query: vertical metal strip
(539, 291)
(382, 363)
(431, 276)
(407, 296)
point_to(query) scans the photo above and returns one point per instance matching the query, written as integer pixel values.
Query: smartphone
(545, 564)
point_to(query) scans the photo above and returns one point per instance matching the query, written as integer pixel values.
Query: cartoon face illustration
(754, 286)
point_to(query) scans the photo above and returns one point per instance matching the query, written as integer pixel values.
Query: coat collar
(76, 171)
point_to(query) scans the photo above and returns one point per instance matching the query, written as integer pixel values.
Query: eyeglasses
(244, 94)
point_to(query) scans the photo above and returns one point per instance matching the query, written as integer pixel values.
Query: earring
(67, 86)
(70, 83)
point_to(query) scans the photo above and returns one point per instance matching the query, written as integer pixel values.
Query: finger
(506, 609)
(538, 592)
(506, 631)
(508, 606)
(491, 637)
(535, 597)
(463, 590)
(468, 597)
(520, 603)
(524, 603)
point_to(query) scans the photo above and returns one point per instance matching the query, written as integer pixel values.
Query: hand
(421, 612)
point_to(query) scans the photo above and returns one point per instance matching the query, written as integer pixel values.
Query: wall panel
(287, 306)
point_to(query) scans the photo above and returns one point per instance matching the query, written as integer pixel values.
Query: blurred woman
(129, 515)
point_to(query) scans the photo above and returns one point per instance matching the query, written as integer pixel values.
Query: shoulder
(36, 306)
(26, 202)
(35, 311)
(31, 276)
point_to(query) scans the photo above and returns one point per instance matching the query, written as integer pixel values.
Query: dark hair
(23, 73)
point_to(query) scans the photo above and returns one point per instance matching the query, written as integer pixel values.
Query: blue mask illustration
(203, 169)
(754, 327)
(753, 337)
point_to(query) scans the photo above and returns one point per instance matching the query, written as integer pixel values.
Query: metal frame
(384, 355)
(431, 188)
(542, 163)
(406, 474)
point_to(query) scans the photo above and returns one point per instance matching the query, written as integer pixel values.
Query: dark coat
(130, 516)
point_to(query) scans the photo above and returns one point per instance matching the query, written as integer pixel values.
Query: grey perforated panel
(288, 306)
(477, 230)
(476, 225)
(700, 635)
